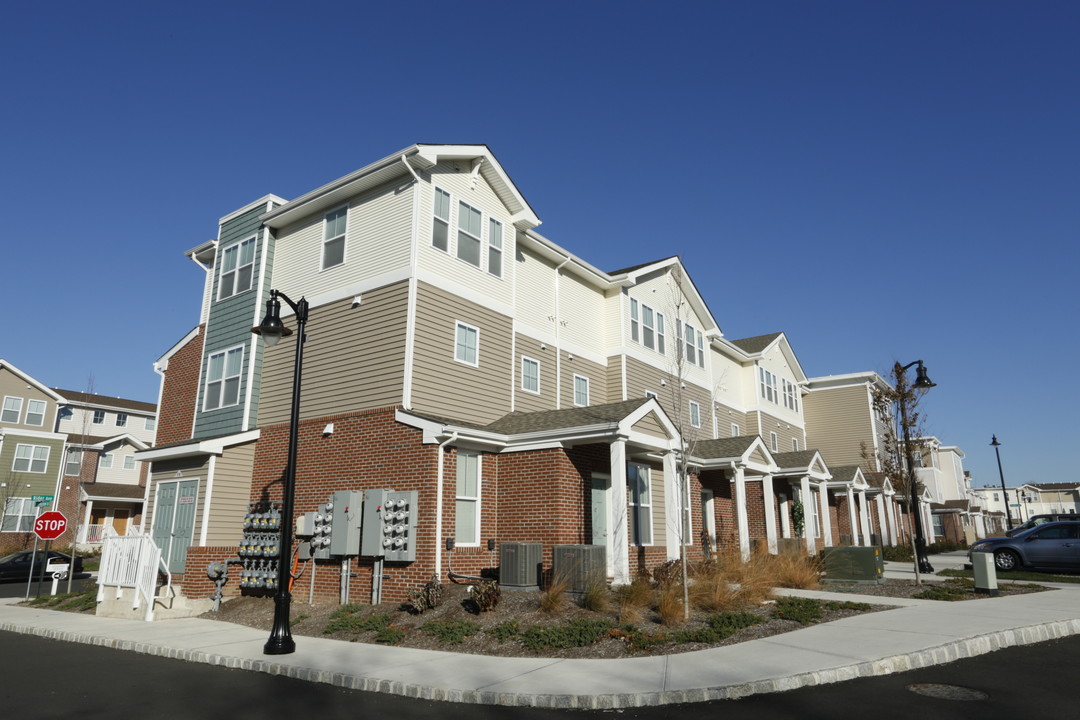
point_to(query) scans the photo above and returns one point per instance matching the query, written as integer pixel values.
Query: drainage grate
(947, 692)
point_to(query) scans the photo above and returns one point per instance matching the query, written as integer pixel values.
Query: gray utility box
(519, 564)
(579, 564)
(345, 522)
(982, 565)
(854, 565)
(390, 525)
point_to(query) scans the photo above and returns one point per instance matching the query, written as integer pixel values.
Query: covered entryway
(174, 521)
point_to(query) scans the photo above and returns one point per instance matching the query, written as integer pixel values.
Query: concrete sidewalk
(920, 634)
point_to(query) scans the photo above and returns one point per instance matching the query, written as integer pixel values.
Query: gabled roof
(1055, 486)
(850, 475)
(757, 344)
(519, 422)
(4, 364)
(755, 347)
(74, 397)
(748, 451)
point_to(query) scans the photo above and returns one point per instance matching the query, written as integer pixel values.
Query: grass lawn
(1017, 576)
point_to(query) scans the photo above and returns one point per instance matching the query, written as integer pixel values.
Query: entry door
(601, 509)
(120, 521)
(174, 521)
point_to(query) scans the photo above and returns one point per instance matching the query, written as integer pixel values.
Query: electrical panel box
(389, 527)
(260, 546)
(345, 520)
(854, 565)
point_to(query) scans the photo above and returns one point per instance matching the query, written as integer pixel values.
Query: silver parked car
(1050, 546)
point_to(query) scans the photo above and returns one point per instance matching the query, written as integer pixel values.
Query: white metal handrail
(131, 561)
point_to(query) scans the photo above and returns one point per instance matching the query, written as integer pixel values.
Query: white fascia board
(215, 446)
(125, 437)
(558, 255)
(733, 351)
(793, 360)
(16, 433)
(829, 382)
(162, 363)
(31, 381)
(203, 254)
(523, 216)
(261, 202)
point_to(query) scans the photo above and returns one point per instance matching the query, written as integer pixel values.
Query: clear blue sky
(881, 180)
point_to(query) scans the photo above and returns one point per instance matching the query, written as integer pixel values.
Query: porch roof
(112, 491)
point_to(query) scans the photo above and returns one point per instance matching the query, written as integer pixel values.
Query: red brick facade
(179, 391)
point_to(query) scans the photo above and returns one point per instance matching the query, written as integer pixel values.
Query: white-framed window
(650, 394)
(223, 371)
(12, 409)
(99, 417)
(495, 247)
(639, 485)
(734, 429)
(237, 268)
(440, 229)
(768, 385)
(150, 423)
(129, 462)
(121, 419)
(530, 375)
(791, 394)
(647, 326)
(73, 462)
(19, 515)
(31, 458)
(35, 412)
(795, 444)
(997, 497)
(467, 499)
(774, 442)
(470, 227)
(467, 344)
(581, 390)
(695, 414)
(693, 344)
(105, 461)
(333, 247)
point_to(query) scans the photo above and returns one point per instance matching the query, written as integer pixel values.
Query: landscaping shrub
(804, 611)
(450, 632)
(426, 597)
(345, 619)
(721, 626)
(669, 605)
(485, 595)
(505, 631)
(554, 596)
(390, 635)
(596, 596)
(668, 574)
(577, 633)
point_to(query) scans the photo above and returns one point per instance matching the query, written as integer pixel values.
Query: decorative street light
(272, 329)
(922, 382)
(1005, 493)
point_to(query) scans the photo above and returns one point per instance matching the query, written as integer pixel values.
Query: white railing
(131, 561)
(94, 533)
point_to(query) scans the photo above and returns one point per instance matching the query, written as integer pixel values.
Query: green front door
(174, 521)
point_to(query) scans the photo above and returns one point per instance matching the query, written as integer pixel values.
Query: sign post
(48, 526)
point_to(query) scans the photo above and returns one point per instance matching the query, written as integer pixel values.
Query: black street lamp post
(922, 382)
(1004, 491)
(272, 329)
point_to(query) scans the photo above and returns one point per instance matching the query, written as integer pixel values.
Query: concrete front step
(170, 603)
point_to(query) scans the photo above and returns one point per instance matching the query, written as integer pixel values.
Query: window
(495, 244)
(129, 462)
(333, 248)
(650, 394)
(467, 345)
(31, 458)
(105, 461)
(121, 419)
(997, 498)
(734, 430)
(73, 462)
(640, 505)
(773, 442)
(99, 417)
(768, 385)
(12, 410)
(530, 375)
(581, 390)
(440, 231)
(646, 326)
(791, 395)
(695, 414)
(694, 345)
(150, 423)
(237, 267)
(223, 378)
(939, 524)
(35, 412)
(468, 238)
(19, 515)
(467, 509)
(795, 444)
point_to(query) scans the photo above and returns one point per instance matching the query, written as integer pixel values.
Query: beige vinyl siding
(446, 387)
(595, 372)
(11, 385)
(659, 506)
(534, 305)
(377, 241)
(455, 177)
(526, 401)
(81, 422)
(117, 474)
(725, 416)
(191, 468)
(231, 494)
(617, 316)
(650, 425)
(642, 377)
(354, 358)
(784, 430)
(581, 314)
(838, 422)
(614, 378)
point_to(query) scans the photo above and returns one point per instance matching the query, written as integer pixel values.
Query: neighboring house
(75, 447)
(453, 350)
(1031, 499)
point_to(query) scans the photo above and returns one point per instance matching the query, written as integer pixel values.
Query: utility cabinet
(389, 525)
(579, 565)
(854, 565)
(260, 546)
(519, 564)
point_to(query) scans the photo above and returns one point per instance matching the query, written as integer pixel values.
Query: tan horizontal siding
(231, 494)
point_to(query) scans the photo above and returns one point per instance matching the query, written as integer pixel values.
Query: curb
(945, 653)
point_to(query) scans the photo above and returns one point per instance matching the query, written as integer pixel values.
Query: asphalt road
(42, 678)
(17, 588)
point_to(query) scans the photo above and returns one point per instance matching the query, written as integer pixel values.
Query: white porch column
(770, 512)
(853, 520)
(864, 518)
(785, 517)
(883, 524)
(826, 520)
(894, 529)
(84, 527)
(805, 497)
(928, 522)
(619, 537)
(740, 513)
(673, 502)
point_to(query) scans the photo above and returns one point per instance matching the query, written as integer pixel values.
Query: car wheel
(1006, 560)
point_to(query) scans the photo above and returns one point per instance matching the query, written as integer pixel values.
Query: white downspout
(439, 506)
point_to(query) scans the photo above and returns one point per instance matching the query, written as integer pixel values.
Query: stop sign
(50, 525)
